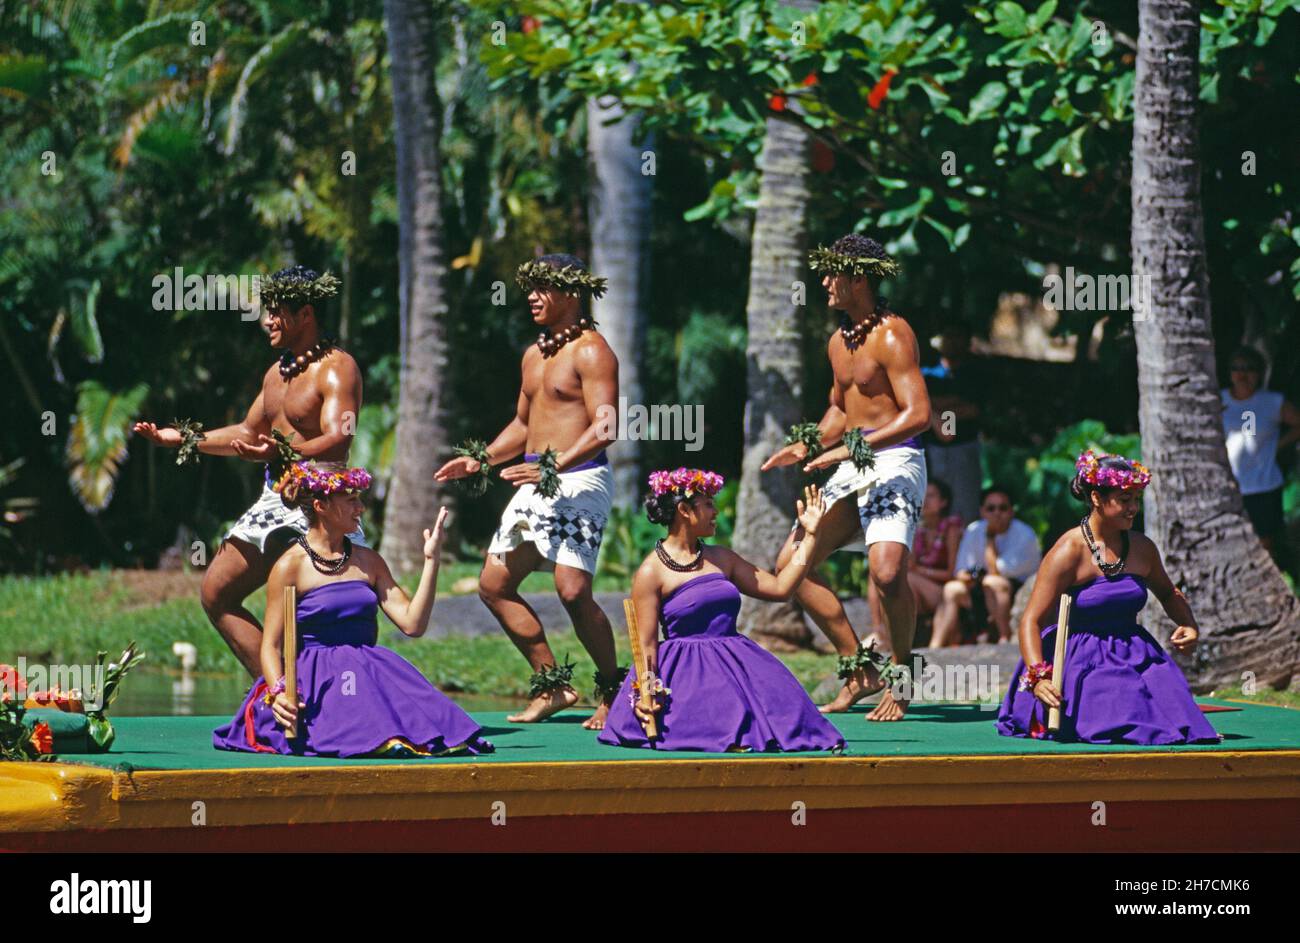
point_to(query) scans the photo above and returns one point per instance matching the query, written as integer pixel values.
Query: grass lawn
(66, 619)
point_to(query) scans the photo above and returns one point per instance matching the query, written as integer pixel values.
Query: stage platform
(940, 780)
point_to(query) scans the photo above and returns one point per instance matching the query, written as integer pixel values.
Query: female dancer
(1120, 687)
(356, 699)
(722, 692)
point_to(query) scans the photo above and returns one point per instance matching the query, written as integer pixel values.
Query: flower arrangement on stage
(22, 740)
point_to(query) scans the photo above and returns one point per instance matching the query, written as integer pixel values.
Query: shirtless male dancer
(570, 378)
(312, 395)
(878, 389)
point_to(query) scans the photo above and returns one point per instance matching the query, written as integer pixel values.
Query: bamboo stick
(644, 678)
(1058, 660)
(291, 651)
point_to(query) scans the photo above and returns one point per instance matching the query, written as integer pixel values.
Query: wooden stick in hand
(291, 651)
(1058, 661)
(644, 679)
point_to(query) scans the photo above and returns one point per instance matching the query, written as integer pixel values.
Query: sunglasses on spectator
(1243, 368)
(997, 507)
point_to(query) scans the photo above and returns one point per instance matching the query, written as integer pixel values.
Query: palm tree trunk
(619, 215)
(413, 499)
(1250, 622)
(775, 375)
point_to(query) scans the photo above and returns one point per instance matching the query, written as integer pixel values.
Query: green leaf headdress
(570, 279)
(297, 285)
(854, 255)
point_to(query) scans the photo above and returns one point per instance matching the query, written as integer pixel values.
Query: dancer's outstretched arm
(509, 442)
(761, 584)
(411, 614)
(831, 427)
(216, 441)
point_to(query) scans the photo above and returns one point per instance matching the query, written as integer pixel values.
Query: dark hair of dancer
(661, 508)
(859, 246)
(1081, 488)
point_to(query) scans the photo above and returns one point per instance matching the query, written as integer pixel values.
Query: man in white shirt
(996, 555)
(1257, 424)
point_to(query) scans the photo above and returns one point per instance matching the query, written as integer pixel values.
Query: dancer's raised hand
(433, 538)
(459, 467)
(810, 509)
(790, 455)
(166, 436)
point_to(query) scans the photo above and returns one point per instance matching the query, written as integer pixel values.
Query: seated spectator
(934, 552)
(1253, 421)
(996, 555)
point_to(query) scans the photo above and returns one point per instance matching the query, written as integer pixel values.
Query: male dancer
(312, 395)
(568, 376)
(877, 389)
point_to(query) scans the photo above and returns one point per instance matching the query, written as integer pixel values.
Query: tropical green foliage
(135, 143)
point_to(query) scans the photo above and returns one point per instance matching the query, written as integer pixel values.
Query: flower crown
(1089, 468)
(570, 279)
(323, 480)
(687, 482)
(828, 261)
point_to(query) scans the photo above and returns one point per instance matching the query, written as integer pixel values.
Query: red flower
(810, 80)
(776, 103)
(10, 678)
(881, 89)
(529, 24)
(43, 738)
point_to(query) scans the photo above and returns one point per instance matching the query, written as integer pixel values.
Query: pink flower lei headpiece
(687, 482)
(1089, 467)
(324, 481)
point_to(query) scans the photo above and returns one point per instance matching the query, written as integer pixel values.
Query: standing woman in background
(1253, 418)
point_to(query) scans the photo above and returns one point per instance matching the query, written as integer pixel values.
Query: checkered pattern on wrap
(566, 529)
(886, 502)
(578, 529)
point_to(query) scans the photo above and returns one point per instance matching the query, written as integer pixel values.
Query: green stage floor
(929, 730)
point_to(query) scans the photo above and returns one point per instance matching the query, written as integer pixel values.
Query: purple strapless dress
(362, 700)
(1120, 686)
(727, 692)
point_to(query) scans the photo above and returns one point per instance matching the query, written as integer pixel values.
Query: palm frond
(257, 65)
(170, 29)
(96, 445)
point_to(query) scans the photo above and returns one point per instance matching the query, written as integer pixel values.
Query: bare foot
(861, 684)
(889, 708)
(544, 705)
(597, 720)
